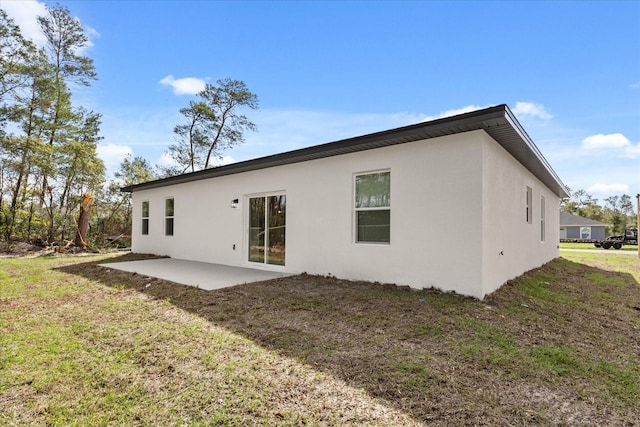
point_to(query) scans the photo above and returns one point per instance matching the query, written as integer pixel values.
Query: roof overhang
(499, 122)
(567, 219)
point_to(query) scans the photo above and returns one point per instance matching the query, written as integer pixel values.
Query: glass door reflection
(267, 229)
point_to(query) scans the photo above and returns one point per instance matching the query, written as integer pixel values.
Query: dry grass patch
(76, 352)
(560, 345)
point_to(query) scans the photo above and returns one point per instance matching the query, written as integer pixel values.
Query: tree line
(50, 173)
(616, 211)
(47, 144)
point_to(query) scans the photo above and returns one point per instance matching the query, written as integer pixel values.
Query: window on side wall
(373, 207)
(529, 205)
(168, 216)
(585, 233)
(145, 218)
(542, 225)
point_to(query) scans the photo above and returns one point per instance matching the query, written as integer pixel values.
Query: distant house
(580, 228)
(463, 203)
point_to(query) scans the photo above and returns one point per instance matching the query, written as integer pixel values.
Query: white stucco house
(462, 203)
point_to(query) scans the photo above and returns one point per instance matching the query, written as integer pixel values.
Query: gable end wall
(512, 246)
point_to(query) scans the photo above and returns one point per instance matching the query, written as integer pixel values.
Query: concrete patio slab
(201, 274)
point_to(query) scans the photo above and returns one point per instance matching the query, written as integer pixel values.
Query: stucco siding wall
(511, 245)
(457, 216)
(436, 197)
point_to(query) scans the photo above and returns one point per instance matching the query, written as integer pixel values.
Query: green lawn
(85, 345)
(632, 248)
(627, 264)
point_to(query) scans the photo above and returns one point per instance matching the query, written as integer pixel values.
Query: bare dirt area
(558, 346)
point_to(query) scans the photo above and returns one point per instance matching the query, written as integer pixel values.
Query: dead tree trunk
(83, 220)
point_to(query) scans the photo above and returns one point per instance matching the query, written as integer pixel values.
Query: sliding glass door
(267, 229)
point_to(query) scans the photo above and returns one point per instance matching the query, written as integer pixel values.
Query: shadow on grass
(439, 357)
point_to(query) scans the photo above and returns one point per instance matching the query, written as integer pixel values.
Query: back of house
(462, 204)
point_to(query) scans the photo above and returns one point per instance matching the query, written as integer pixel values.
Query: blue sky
(324, 71)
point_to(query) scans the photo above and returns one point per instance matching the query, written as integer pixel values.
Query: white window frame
(542, 220)
(381, 208)
(587, 235)
(145, 218)
(529, 205)
(169, 217)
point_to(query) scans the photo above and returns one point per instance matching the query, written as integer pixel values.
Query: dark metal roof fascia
(490, 119)
(425, 130)
(534, 160)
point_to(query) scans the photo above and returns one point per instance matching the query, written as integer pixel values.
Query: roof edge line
(510, 116)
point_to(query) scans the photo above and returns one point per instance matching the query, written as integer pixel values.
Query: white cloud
(632, 151)
(635, 85)
(112, 155)
(610, 141)
(523, 109)
(91, 33)
(454, 112)
(608, 188)
(184, 86)
(25, 13)
(166, 160)
(615, 144)
(532, 110)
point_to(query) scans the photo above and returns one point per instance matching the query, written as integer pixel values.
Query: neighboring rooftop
(570, 220)
(499, 122)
